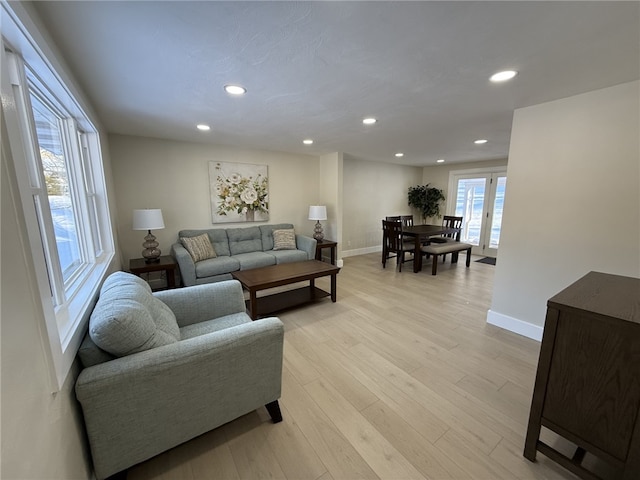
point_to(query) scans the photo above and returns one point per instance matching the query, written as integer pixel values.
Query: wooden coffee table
(285, 274)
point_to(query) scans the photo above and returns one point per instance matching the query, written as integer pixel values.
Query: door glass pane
(470, 205)
(56, 177)
(498, 205)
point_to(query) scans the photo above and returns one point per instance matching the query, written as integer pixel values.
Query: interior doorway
(478, 197)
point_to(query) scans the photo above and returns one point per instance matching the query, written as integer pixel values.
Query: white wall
(573, 201)
(174, 176)
(330, 177)
(372, 191)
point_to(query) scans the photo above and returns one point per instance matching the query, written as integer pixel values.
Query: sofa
(237, 249)
(162, 368)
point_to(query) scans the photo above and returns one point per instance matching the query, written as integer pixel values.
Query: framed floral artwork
(239, 192)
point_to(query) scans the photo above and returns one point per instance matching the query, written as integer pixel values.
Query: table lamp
(149, 219)
(318, 212)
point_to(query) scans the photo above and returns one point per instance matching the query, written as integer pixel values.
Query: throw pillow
(284, 239)
(129, 319)
(199, 247)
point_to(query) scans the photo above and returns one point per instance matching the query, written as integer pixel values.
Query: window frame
(65, 308)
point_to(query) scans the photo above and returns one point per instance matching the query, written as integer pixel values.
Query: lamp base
(151, 252)
(317, 232)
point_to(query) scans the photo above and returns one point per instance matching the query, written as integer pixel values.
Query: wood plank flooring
(401, 378)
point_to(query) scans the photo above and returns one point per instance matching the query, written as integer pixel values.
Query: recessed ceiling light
(203, 127)
(440, 160)
(503, 76)
(308, 141)
(399, 154)
(235, 89)
(369, 121)
(480, 142)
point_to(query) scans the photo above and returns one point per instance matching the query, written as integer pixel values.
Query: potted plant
(426, 199)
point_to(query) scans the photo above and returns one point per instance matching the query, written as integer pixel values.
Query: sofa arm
(185, 263)
(204, 302)
(138, 406)
(307, 244)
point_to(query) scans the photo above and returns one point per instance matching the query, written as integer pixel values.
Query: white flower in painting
(235, 178)
(249, 196)
(218, 189)
(244, 210)
(229, 200)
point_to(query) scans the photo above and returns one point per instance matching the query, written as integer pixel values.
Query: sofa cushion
(199, 247)
(266, 231)
(216, 266)
(128, 318)
(255, 260)
(218, 237)
(289, 256)
(244, 240)
(284, 239)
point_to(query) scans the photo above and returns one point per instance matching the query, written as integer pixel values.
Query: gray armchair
(144, 393)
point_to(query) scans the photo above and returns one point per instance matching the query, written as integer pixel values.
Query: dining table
(421, 234)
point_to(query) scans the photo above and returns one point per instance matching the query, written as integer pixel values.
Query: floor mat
(489, 260)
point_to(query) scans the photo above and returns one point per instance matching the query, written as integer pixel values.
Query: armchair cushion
(128, 319)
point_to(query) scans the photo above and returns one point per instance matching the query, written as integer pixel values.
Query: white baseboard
(361, 251)
(514, 325)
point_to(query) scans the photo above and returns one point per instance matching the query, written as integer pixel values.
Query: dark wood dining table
(421, 234)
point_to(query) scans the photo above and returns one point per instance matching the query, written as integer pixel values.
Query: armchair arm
(185, 263)
(307, 244)
(204, 302)
(140, 405)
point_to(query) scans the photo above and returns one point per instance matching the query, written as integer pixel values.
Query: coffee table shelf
(278, 302)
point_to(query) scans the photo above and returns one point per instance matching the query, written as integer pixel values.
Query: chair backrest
(407, 220)
(451, 221)
(392, 235)
(393, 218)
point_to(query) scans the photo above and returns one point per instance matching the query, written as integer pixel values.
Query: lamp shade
(148, 219)
(317, 212)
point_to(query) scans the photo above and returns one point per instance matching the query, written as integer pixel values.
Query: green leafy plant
(426, 199)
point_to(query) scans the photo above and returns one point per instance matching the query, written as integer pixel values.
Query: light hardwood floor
(401, 378)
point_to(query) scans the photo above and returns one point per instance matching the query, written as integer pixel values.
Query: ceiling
(316, 69)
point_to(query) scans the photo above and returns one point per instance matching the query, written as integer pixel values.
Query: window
(58, 164)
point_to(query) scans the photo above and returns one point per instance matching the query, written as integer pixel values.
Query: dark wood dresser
(587, 387)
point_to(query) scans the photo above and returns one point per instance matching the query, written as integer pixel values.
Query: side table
(327, 244)
(167, 264)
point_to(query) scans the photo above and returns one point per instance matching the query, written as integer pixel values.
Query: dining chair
(392, 243)
(407, 220)
(449, 221)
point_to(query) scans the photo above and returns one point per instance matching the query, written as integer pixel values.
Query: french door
(479, 200)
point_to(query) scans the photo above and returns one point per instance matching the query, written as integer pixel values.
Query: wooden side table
(167, 264)
(333, 246)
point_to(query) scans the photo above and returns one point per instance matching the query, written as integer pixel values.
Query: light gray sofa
(173, 365)
(238, 249)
